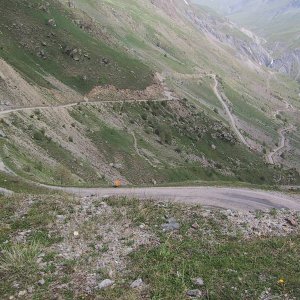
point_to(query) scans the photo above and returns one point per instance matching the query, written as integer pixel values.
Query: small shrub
(219, 166)
(38, 135)
(30, 127)
(178, 150)
(27, 169)
(262, 178)
(39, 166)
(63, 174)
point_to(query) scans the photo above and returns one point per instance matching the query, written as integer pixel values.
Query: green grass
(19, 261)
(34, 169)
(231, 266)
(203, 89)
(19, 185)
(228, 269)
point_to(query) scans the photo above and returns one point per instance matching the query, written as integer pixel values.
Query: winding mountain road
(229, 114)
(282, 133)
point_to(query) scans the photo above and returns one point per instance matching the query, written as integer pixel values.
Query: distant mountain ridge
(275, 20)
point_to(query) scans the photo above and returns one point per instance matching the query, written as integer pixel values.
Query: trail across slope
(32, 108)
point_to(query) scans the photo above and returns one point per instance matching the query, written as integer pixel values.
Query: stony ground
(57, 247)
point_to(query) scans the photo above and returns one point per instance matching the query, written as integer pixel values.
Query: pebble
(41, 282)
(198, 281)
(60, 217)
(195, 226)
(292, 221)
(22, 293)
(137, 283)
(194, 293)
(105, 284)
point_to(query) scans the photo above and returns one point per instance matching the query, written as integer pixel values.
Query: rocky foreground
(58, 247)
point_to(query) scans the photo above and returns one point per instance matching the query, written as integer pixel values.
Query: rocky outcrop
(288, 63)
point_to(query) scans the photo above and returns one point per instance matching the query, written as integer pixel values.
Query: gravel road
(228, 198)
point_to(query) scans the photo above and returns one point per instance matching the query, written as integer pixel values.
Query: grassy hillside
(165, 142)
(40, 38)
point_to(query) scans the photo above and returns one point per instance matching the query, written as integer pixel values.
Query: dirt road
(282, 133)
(229, 114)
(24, 109)
(228, 198)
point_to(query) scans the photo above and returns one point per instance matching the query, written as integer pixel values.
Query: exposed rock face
(215, 28)
(287, 60)
(288, 63)
(248, 47)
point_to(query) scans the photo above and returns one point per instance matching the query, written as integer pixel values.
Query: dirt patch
(109, 92)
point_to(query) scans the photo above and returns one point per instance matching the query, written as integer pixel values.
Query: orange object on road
(117, 183)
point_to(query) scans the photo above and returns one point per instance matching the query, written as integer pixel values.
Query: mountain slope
(277, 21)
(42, 38)
(189, 108)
